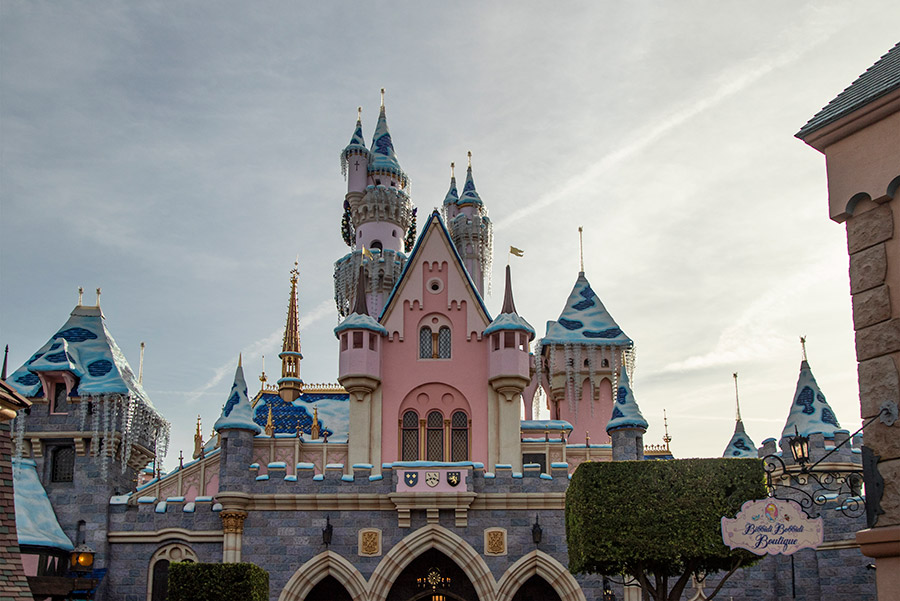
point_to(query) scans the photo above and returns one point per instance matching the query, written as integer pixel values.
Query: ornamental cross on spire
(803, 346)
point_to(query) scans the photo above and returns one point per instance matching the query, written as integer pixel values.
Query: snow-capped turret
(237, 412)
(582, 356)
(379, 222)
(355, 159)
(740, 444)
(384, 168)
(626, 426)
(450, 207)
(472, 231)
(810, 412)
(509, 335)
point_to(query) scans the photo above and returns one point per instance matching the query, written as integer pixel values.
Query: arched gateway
(432, 564)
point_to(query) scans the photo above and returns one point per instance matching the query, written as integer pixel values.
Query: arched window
(62, 464)
(158, 581)
(426, 345)
(459, 437)
(444, 343)
(376, 245)
(409, 445)
(60, 398)
(434, 437)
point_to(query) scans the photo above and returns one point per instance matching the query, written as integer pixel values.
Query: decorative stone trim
(369, 542)
(233, 521)
(432, 503)
(495, 541)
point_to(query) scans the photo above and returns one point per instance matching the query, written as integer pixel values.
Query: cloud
(255, 350)
(737, 79)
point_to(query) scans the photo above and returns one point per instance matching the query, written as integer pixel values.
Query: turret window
(62, 464)
(60, 398)
(409, 437)
(373, 342)
(357, 339)
(435, 345)
(376, 245)
(434, 440)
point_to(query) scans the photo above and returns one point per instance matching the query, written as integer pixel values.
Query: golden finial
(581, 247)
(314, 431)
(141, 365)
(240, 359)
(737, 402)
(666, 438)
(452, 170)
(98, 297)
(181, 459)
(803, 346)
(270, 425)
(470, 159)
(359, 113)
(382, 97)
(262, 376)
(80, 294)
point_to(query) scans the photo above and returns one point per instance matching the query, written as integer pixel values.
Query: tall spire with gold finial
(198, 441)
(290, 386)
(740, 444)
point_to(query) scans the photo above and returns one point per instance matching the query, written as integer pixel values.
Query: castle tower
(626, 426)
(450, 207)
(236, 430)
(740, 444)
(810, 412)
(290, 385)
(581, 359)
(359, 373)
(379, 219)
(508, 373)
(471, 230)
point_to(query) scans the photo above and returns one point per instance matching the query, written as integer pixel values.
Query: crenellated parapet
(381, 203)
(382, 269)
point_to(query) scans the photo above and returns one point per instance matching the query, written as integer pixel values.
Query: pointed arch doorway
(432, 576)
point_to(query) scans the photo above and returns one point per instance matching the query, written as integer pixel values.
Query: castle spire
(469, 194)
(5, 357)
(740, 444)
(360, 307)
(383, 158)
(290, 386)
(509, 306)
(452, 196)
(737, 402)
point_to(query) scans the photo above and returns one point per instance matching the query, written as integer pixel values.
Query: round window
(434, 285)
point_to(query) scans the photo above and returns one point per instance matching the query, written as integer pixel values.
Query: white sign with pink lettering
(773, 526)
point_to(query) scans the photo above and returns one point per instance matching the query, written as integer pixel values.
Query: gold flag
(368, 254)
(516, 251)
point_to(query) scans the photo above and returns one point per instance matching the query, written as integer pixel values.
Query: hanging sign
(773, 526)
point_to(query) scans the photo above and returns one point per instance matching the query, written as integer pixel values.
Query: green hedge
(218, 582)
(662, 517)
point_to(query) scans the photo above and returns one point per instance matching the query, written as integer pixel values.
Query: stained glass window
(459, 437)
(425, 344)
(444, 343)
(410, 437)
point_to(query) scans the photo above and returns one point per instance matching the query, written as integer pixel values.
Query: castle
(416, 477)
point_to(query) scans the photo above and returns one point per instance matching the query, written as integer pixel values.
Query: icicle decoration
(95, 426)
(83, 413)
(104, 443)
(20, 434)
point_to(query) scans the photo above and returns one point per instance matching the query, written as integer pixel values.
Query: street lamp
(536, 532)
(82, 558)
(327, 531)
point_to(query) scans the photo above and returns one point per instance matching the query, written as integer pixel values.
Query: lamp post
(536, 532)
(799, 449)
(608, 594)
(327, 531)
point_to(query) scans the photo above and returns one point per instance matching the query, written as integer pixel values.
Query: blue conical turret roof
(452, 195)
(585, 320)
(382, 156)
(237, 412)
(357, 142)
(469, 194)
(740, 444)
(810, 412)
(626, 413)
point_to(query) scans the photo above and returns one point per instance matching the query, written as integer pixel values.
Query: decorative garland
(411, 232)
(347, 231)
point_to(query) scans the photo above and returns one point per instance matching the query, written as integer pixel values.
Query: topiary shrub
(218, 582)
(657, 520)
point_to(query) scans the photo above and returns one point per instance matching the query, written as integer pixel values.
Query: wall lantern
(82, 558)
(536, 531)
(327, 531)
(799, 448)
(608, 594)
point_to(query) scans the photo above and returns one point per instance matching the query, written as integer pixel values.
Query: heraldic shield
(411, 478)
(432, 479)
(452, 478)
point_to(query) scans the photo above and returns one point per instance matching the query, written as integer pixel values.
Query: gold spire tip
(452, 170)
(382, 97)
(80, 294)
(98, 297)
(470, 159)
(581, 248)
(359, 113)
(803, 346)
(240, 359)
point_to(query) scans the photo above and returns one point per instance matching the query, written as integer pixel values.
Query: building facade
(421, 475)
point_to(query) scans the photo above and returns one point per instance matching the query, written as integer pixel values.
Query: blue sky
(180, 156)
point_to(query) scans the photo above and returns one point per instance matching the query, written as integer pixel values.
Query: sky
(181, 156)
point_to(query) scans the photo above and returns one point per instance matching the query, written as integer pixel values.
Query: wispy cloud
(738, 78)
(756, 333)
(255, 350)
